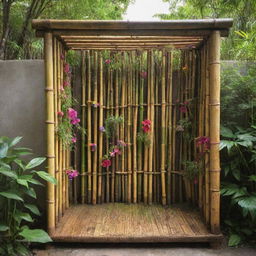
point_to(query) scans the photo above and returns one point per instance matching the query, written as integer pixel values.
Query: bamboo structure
(163, 80)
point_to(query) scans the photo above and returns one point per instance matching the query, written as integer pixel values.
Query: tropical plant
(17, 179)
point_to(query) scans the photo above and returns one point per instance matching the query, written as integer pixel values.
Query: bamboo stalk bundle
(89, 133)
(146, 151)
(83, 188)
(163, 130)
(151, 115)
(100, 125)
(135, 120)
(95, 128)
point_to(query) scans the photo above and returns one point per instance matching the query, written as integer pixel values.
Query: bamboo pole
(95, 130)
(83, 189)
(48, 44)
(100, 134)
(214, 105)
(163, 126)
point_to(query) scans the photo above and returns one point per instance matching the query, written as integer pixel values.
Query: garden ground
(143, 251)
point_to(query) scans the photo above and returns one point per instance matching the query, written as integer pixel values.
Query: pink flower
(183, 109)
(93, 146)
(146, 125)
(72, 174)
(65, 83)
(60, 113)
(75, 121)
(72, 114)
(66, 68)
(117, 151)
(108, 61)
(112, 154)
(121, 143)
(74, 139)
(62, 56)
(106, 163)
(61, 89)
(203, 140)
(143, 74)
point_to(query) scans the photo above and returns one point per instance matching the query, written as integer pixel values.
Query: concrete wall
(22, 106)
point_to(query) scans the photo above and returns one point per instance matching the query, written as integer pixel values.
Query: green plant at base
(144, 138)
(16, 180)
(192, 169)
(111, 125)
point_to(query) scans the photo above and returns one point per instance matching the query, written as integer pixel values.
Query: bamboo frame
(138, 175)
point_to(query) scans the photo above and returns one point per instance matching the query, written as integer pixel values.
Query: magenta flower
(106, 163)
(183, 109)
(112, 154)
(72, 174)
(117, 151)
(75, 121)
(146, 125)
(108, 61)
(203, 140)
(60, 113)
(72, 114)
(66, 68)
(65, 83)
(62, 56)
(74, 139)
(93, 147)
(143, 74)
(102, 129)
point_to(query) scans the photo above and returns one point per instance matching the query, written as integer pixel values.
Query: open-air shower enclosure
(168, 72)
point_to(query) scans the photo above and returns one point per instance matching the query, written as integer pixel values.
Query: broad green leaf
(9, 173)
(3, 150)
(11, 195)
(226, 144)
(35, 162)
(3, 227)
(35, 235)
(247, 231)
(246, 136)
(22, 182)
(14, 141)
(22, 250)
(252, 178)
(46, 176)
(245, 143)
(22, 151)
(236, 174)
(226, 132)
(23, 216)
(248, 203)
(36, 182)
(31, 192)
(20, 163)
(234, 240)
(33, 208)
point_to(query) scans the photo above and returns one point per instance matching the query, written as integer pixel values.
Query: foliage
(17, 38)
(238, 186)
(111, 126)
(17, 178)
(192, 169)
(144, 138)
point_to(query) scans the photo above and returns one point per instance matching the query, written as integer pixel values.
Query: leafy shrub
(17, 178)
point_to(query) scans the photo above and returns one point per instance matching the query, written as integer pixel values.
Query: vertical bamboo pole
(100, 134)
(163, 132)
(95, 129)
(89, 133)
(214, 105)
(83, 190)
(48, 43)
(151, 116)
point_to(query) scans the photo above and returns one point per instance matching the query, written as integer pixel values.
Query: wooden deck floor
(131, 223)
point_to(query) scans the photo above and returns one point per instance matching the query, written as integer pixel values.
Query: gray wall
(22, 106)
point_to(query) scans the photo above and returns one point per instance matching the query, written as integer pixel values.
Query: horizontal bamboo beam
(46, 24)
(132, 32)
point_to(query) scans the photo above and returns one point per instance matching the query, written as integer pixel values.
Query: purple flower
(102, 129)
(72, 174)
(93, 146)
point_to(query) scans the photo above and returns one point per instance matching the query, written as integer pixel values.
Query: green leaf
(14, 141)
(36, 182)
(11, 195)
(252, 178)
(46, 176)
(8, 173)
(35, 235)
(20, 163)
(226, 144)
(236, 174)
(33, 208)
(226, 132)
(245, 143)
(3, 150)
(3, 227)
(22, 250)
(22, 151)
(35, 162)
(234, 240)
(23, 216)
(31, 192)
(22, 182)
(248, 203)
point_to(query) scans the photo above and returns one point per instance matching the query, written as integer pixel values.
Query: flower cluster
(146, 125)
(72, 174)
(72, 115)
(184, 107)
(106, 163)
(204, 142)
(143, 74)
